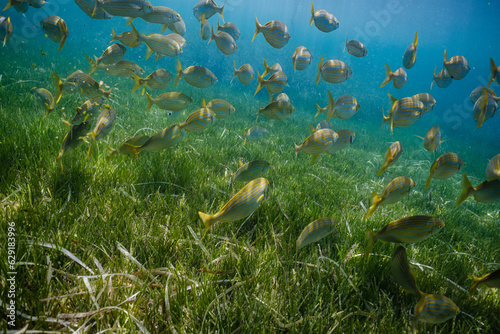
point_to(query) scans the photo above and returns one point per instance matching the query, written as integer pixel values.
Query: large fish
(170, 45)
(166, 138)
(208, 8)
(398, 78)
(301, 58)
(393, 193)
(391, 156)
(196, 76)
(46, 99)
(158, 79)
(323, 20)
(480, 91)
(493, 168)
(345, 107)
(245, 73)
(434, 309)
(225, 42)
(318, 142)
(442, 79)
(495, 72)
(56, 29)
(221, 108)
(432, 139)
(79, 82)
(6, 29)
(457, 66)
(333, 71)
(124, 8)
(316, 231)
(113, 54)
(250, 171)
(73, 139)
(172, 101)
(410, 55)
(491, 280)
(199, 119)
(275, 84)
(275, 32)
(230, 28)
(486, 192)
(444, 167)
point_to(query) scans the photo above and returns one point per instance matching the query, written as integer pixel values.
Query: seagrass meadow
(112, 244)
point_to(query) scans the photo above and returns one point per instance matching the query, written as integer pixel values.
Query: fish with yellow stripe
(275, 33)
(355, 48)
(442, 79)
(113, 54)
(333, 71)
(270, 70)
(87, 112)
(444, 167)
(124, 8)
(495, 72)
(485, 108)
(275, 84)
(199, 119)
(56, 29)
(245, 73)
(480, 91)
(6, 30)
(225, 42)
(250, 171)
(126, 147)
(207, 8)
(346, 138)
(410, 55)
(163, 139)
(81, 83)
(160, 15)
(127, 38)
(301, 58)
(401, 271)
(345, 107)
(486, 192)
(87, 6)
(391, 156)
(196, 76)
(434, 309)
(493, 168)
(316, 231)
(318, 142)
(403, 113)
(323, 20)
(172, 101)
(103, 126)
(398, 78)
(158, 80)
(46, 99)
(393, 193)
(427, 100)
(221, 108)
(254, 133)
(74, 138)
(491, 280)
(278, 110)
(240, 206)
(406, 230)
(432, 139)
(457, 66)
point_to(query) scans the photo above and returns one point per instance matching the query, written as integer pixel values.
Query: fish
(46, 99)
(36, 3)
(278, 110)
(491, 280)
(81, 83)
(160, 15)
(250, 171)
(323, 125)
(401, 271)
(333, 71)
(398, 78)
(199, 119)
(487, 192)
(271, 70)
(240, 206)
(254, 133)
(103, 126)
(485, 108)
(356, 48)
(56, 29)
(457, 66)
(428, 101)
(345, 107)
(245, 73)
(432, 139)
(393, 193)
(225, 43)
(316, 231)
(162, 44)
(230, 28)
(275, 33)
(442, 79)
(124, 8)
(479, 91)
(158, 79)
(275, 84)
(73, 138)
(196, 76)
(21, 6)
(493, 168)
(391, 156)
(410, 55)
(221, 108)
(495, 72)
(444, 167)
(127, 38)
(125, 148)
(113, 54)
(208, 8)
(406, 230)
(162, 140)
(88, 111)
(205, 29)
(301, 58)
(172, 101)
(6, 29)
(281, 97)
(404, 112)
(434, 309)
(178, 27)
(323, 20)
(87, 6)
(123, 68)
(328, 110)
(318, 142)
(346, 138)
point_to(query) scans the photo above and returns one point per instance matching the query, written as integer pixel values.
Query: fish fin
(331, 105)
(59, 85)
(257, 28)
(178, 69)
(261, 81)
(114, 37)
(89, 153)
(95, 8)
(66, 122)
(419, 137)
(130, 19)
(311, 127)
(393, 99)
(313, 158)
(433, 168)
(212, 35)
(382, 169)
(163, 27)
(432, 83)
(9, 4)
(137, 81)
(203, 103)
(319, 69)
(493, 70)
(312, 14)
(388, 76)
(415, 42)
(297, 149)
(150, 102)
(320, 110)
(371, 240)
(467, 189)
(48, 110)
(136, 34)
(149, 52)
(221, 11)
(345, 45)
(93, 65)
(207, 221)
(107, 94)
(474, 285)
(218, 25)
(385, 119)
(482, 109)
(234, 64)
(113, 152)
(135, 149)
(267, 69)
(375, 200)
(445, 56)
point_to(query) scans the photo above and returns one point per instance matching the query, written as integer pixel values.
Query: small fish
(493, 168)
(230, 28)
(88, 111)
(87, 6)
(161, 44)
(333, 71)
(281, 97)
(487, 192)
(275, 84)
(457, 66)
(158, 80)
(45, 98)
(123, 68)
(56, 29)
(406, 230)
(103, 126)
(113, 54)
(432, 139)
(323, 20)
(124, 8)
(240, 206)
(479, 91)
(127, 38)
(301, 58)
(196, 76)
(160, 15)
(391, 156)
(245, 73)
(345, 107)
(225, 43)
(278, 110)
(404, 112)
(125, 148)
(275, 32)
(444, 167)
(42, 53)
(36, 3)
(199, 119)
(401, 271)
(271, 70)
(221, 108)
(172, 101)
(393, 193)
(254, 133)
(434, 309)
(6, 29)
(318, 142)
(323, 125)
(428, 101)
(495, 72)
(73, 139)
(316, 231)
(178, 27)
(442, 79)
(81, 83)
(491, 280)
(208, 8)
(355, 48)
(485, 108)
(398, 78)
(250, 171)
(205, 29)
(410, 55)
(346, 138)
(162, 140)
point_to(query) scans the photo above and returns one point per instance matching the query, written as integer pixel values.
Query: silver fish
(56, 29)
(442, 79)
(323, 20)
(457, 66)
(333, 71)
(208, 8)
(230, 28)
(225, 43)
(356, 48)
(301, 58)
(245, 73)
(275, 32)
(398, 78)
(410, 55)
(196, 76)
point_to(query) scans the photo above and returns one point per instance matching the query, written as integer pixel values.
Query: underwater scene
(249, 166)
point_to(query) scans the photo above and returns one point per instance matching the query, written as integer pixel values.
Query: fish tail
(467, 189)
(388, 76)
(130, 19)
(428, 181)
(382, 169)
(59, 159)
(221, 11)
(445, 55)
(384, 118)
(371, 240)
(212, 35)
(482, 110)
(415, 42)
(477, 280)
(106, 94)
(331, 105)
(311, 127)
(93, 65)
(218, 25)
(234, 64)
(113, 152)
(9, 4)
(312, 14)
(135, 33)
(319, 69)
(114, 37)
(245, 136)
(150, 102)
(59, 85)
(320, 110)
(149, 52)
(207, 221)
(257, 28)
(493, 70)
(345, 45)
(135, 149)
(95, 8)
(137, 81)
(89, 153)
(266, 68)
(375, 201)
(63, 40)
(297, 149)
(178, 69)
(432, 83)
(261, 82)
(48, 110)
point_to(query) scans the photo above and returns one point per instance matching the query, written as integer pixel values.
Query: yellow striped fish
(278, 110)
(485, 108)
(245, 73)
(207, 8)
(275, 32)
(401, 271)
(127, 38)
(318, 142)
(126, 148)
(81, 83)
(355, 48)
(45, 98)
(199, 119)
(178, 27)
(240, 206)
(427, 100)
(410, 55)
(457, 66)
(254, 133)
(346, 138)
(486, 192)
(434, 309)
(432, 139)
(73, 139)
(275, 84)
(87, 6)
(398, 78)
(316, 231)
(103, 126)
(323, 20)
(6, 30)
(322, 125)
(444, 167)
(333, 71)
(491, 280)
(87, 112)
(442, 79)
(166, 138)
(345, 107)
(230, 28)
(161, 44)
(301, 58)
(123, 68)
(113, 54)
(479, 91)
(172, 101)
(250, 171)
(493, 168)
(158, 80)
(393, 193)
(225, 42)
(124, 8)
(196, 76)
(391, 156)
(221, 108)
(56, 29)
(404, 112)
(495, 72)
(271, 70)
(160, 15)
(406, 230)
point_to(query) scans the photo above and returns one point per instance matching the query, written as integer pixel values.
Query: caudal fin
(235, 70)
(59, 87)
(178, 69)
(150, 102)
(467, 189)
(382, 169)
(137, 81)
(493, 70)
(257, 28)
(371, 240)
(261, 82)
(375, 201)
(388, 76)
(482, 109)
(321, 110)
(135, 150)
(320, 64)
(267, 69)
(207, 221)
(477, 280)
(92, 63)
(312, 14)
(432, 83)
